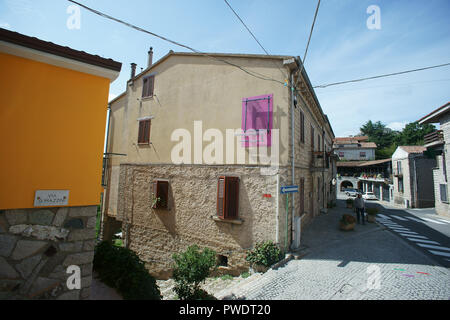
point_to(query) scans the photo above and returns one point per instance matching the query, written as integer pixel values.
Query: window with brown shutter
(148, 86)
(312, 138)
(302, 127)
(302, 196)
(228, 197)
(160, 194)
(144, 131)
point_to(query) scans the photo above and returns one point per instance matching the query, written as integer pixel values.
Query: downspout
(293, 156)
(105, 198)
(323, 171)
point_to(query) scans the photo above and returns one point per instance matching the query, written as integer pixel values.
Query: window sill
(147, 98)
(144, 144)
(234, 221)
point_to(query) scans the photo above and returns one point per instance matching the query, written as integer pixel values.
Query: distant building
(438, 143)
(366, 176)
(413, 179)
(354, 148)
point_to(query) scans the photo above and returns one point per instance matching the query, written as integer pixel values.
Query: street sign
(289, 189)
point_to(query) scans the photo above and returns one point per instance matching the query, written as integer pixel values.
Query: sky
(412, 34)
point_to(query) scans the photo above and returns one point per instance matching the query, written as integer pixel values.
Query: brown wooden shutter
(144, 131)
(302, 127)
(232, 196)
(163, 194)
(141, 132)
(148, 124)
(155, 193)
(302, 196)
(145, 87)
(221, 198)
(151, 86)
(312, 138)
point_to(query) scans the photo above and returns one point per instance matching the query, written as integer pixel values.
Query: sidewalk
(338, 265)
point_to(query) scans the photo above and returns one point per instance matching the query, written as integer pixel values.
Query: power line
(252, 73)
(310, 35)
(381, 76)
(251, 33)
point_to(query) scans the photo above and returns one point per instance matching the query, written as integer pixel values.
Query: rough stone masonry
(37, 246)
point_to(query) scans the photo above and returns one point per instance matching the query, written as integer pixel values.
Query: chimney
(150, 57)
(133, 70)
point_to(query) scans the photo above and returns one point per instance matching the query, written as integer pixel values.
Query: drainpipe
(105, 198)
(293, 156)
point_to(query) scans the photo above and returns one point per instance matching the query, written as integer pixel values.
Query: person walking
(360, 206)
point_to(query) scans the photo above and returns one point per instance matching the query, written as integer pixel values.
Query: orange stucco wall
(52, 128)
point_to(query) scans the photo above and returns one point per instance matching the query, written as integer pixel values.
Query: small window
(160, 199)
(341, 154)
(362, 154)
(228, 198)
(148, 86)
(302, 127)
(400, 185)
(144, 131)
(443, 192)
(312, 138)
(222, 261)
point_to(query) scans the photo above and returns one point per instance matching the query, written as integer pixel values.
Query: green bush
(265, 253)
(190, 269)
(122, 269)
(372, 211)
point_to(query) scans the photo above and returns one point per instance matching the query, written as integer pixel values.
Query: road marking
(415, 219)
(426, 241)
(383, 216)
(445, 254)
(399, 218)
(433, 247)
(446, 221)
(412, 235)
(403, 230)
(433, 221)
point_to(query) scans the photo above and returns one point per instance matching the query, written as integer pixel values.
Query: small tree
(191, 268)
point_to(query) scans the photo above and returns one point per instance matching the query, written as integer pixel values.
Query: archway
(346, 184)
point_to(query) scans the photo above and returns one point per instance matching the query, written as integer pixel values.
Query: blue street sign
(289, 189)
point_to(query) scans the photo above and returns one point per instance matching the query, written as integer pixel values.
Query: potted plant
(349, 203)
(263, 256)
(371, 214)
(347, 222)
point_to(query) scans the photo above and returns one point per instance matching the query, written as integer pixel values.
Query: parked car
(369, 196)
(351, 192)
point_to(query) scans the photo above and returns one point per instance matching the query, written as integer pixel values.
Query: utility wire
(310, 35)
(252, 73)
(251, 33)
(381, 76)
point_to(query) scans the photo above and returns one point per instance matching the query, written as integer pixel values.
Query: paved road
(421, 228)
(372, 262)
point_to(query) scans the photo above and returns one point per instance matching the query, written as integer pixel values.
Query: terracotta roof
(368, 145)
(413, 149)
(356, 138)
(51, 48)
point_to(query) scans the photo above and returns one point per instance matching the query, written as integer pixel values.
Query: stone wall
(37, 246)
(156, 234)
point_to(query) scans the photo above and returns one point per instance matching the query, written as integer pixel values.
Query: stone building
(413, 178)
(438, 143)
(198, 148)
(356, 148)
(52, 123)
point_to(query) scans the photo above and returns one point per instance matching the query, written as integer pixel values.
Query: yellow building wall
(52, 126)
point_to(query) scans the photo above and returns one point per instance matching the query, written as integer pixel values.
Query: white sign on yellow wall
(51, 198)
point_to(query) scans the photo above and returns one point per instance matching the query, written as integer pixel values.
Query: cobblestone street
(336, 266)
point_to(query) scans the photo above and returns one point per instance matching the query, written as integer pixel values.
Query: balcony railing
(435, 137)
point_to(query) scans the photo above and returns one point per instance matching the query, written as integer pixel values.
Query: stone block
(86, 269)
(92, 222)
(60, 217)
(89, 211)
(59, 273)
(79, 259)
(7, 243)
(86, 281)
(40, 232)
(83, 234)
(26, 248)
(70, 295)
(26, 266)
(16, 217)
(41, 217)
(89, 245)
(42, 285)
(6, 270)
(71, 246)
(74, 223)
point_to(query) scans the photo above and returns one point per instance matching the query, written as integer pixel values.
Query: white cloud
(5, 25)
(398, 126)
